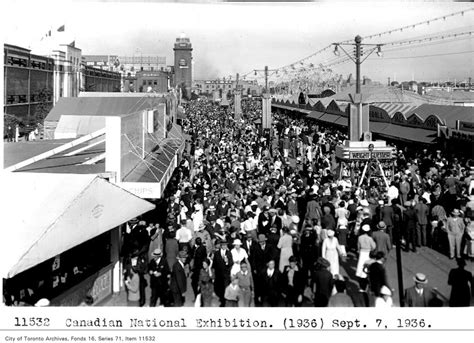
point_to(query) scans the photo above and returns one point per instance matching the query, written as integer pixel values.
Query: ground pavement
(428, 261)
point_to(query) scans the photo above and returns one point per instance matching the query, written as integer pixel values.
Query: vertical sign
(266, 112)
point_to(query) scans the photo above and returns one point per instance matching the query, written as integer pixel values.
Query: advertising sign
(102, 286)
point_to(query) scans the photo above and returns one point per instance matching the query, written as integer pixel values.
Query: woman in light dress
(365, 245)
(331, 251)
(385, 298)
(285, 244)
(238, 255)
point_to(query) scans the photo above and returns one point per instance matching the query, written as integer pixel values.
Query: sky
(230, 38)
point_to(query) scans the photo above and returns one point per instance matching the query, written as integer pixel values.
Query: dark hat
(323, 262)
(262, 237)
(183, 254)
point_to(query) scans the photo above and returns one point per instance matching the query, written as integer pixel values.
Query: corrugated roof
(384, 94)
(392, 108)
(101, 106)
(447, 114)
(461, 96)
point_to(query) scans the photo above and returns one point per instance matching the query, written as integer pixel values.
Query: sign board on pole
(266, 112)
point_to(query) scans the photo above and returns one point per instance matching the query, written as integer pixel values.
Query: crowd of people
(266, 218)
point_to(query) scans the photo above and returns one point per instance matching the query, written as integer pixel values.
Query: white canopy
(44, 215)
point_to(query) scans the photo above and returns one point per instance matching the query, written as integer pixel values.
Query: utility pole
(266, 79)
(237, 99)
(358, 51)
(359, 125)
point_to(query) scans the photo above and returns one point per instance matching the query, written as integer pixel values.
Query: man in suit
(293, 284)
(200, 254)
(222, 265)
(275, 220)
(264, 221)
(382, 239)
(271, 285)
(159, 276)
(263, 253)
(420, 295)
(377, 274)
(178, 282)
(422, 210)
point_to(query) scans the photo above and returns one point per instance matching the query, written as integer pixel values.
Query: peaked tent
(48, 214)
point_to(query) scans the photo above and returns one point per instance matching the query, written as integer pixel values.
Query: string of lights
(413, 26)
(292, 66)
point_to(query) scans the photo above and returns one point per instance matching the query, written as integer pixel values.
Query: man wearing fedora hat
(222, 265)
(420, 295)
(455, 227)
(159, 276)
(382, 239)
(178, 283)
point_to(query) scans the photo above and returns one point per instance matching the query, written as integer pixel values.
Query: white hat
(295, 219)
(366, 227)
(384, 290)
(253, 203)
(42, 303)
(364, 202)
(237, 242)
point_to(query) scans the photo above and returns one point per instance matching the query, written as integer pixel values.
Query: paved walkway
(433, 264)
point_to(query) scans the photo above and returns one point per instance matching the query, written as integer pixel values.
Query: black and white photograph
(207, 154)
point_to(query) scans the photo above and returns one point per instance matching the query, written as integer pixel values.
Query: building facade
(28, 84)
(152, 81)
(208, 87)
(183, 69)
(97, 80)
(67, 72)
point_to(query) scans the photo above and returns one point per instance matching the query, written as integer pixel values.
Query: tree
(184, 92)
(10, 121)
(44, 105)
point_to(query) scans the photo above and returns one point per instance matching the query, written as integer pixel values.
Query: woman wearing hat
(238, 255)
(331, 251)
(132, 284)
(206, 286)
(365, 244)
(384, 300)
(285, 244)
(323, 283)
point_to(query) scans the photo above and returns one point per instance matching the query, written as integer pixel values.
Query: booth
(62, 237)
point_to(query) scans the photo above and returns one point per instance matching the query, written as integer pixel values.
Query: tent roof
(52, 213)
(101, 106)
(20, 151)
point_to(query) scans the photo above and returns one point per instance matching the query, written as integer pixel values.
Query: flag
(49, 33)
(60, 29)
(73, 44)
